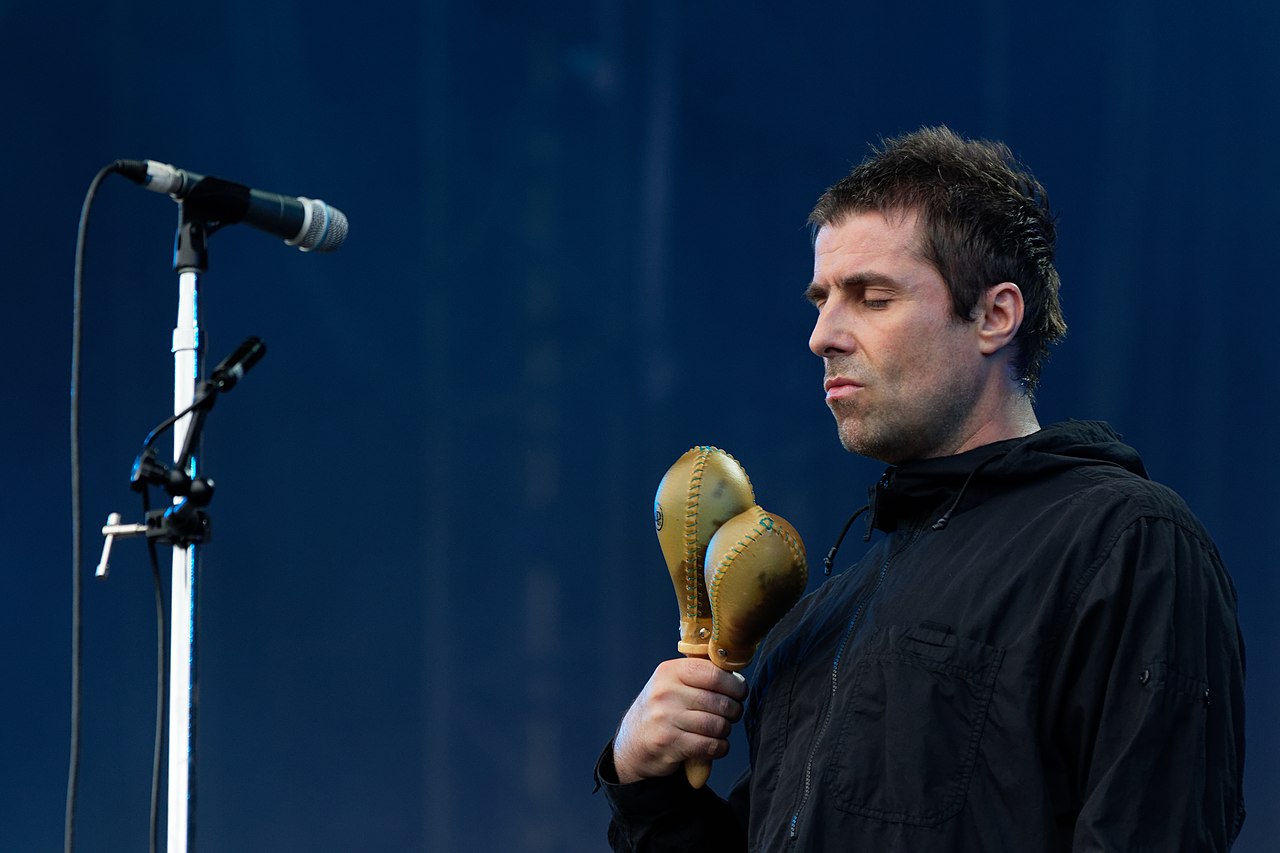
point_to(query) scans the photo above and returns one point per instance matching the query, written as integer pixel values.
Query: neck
(1011, 415)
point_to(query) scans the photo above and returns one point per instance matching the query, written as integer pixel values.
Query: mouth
(838, 387)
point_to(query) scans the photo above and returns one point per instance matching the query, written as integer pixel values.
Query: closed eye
(815, 294)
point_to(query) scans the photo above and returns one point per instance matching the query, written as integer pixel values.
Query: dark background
(577, 249)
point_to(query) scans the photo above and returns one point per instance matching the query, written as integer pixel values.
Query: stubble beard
(899, 431)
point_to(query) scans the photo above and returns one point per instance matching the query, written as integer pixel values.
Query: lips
(838, 387)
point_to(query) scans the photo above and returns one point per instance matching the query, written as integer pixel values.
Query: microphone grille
(326, 227)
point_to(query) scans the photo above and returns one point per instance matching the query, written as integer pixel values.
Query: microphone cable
(162, 682)
(77, 550)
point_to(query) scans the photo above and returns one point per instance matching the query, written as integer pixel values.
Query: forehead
(867, 241)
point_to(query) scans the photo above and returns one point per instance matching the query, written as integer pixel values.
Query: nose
(830, 337)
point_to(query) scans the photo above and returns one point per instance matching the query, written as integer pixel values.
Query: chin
(857, 441)
(855, 438)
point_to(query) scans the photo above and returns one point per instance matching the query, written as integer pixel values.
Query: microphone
(307, 223)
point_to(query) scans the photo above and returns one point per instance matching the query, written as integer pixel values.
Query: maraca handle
(697, 771)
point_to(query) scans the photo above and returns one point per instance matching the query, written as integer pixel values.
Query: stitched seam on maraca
(796, 550)
(691, 534)
(750, 488)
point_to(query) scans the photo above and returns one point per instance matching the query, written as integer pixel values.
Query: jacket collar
(910, 493)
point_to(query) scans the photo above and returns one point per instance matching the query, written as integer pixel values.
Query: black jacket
(1040, 654)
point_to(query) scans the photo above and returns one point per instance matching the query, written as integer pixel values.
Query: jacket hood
(909, 492)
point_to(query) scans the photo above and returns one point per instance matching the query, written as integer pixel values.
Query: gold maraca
(755, 572)
(702, 490)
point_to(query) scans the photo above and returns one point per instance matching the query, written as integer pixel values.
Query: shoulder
(1151, 554)
(1126, 503)
(1140, 493)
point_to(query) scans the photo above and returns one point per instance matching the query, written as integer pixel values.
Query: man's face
(904, 376)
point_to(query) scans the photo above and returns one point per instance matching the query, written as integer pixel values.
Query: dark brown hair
(984, 219)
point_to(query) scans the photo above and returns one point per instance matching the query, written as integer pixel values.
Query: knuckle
(724, 706)
(668, 668)
(713, 725)
(658, 693)
(699, 673)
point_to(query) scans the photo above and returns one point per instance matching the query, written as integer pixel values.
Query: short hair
(984, 219)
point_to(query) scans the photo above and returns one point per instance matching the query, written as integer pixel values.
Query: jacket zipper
(793, 829)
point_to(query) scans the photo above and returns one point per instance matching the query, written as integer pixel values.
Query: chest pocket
(911, 724)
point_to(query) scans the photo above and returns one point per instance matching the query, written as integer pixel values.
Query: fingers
(702, 673)
(685, 711)
(716, 705)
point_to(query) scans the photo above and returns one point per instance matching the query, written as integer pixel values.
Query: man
(1039, 653)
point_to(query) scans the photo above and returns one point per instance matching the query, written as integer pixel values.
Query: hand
(685, 711)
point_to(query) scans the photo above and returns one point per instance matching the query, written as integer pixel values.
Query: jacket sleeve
(1148, 699)
(667, 814)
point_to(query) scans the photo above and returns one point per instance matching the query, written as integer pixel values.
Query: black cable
(844, 531)
(77, 527)
(162, 682)
(162, 698)
(199, 401)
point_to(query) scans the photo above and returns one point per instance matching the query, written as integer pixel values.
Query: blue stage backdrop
(577, 249)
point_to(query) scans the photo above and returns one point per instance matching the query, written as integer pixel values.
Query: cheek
(929, 356)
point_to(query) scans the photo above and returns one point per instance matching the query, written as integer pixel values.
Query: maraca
(702, 490)
(755, 572)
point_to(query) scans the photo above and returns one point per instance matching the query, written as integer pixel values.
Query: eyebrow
(817, 290)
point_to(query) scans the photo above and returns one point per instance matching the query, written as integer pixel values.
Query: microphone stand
(184, 525)
(190, 260)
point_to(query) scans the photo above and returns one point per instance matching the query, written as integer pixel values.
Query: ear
(1001, 317)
